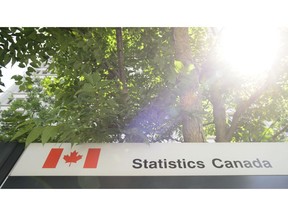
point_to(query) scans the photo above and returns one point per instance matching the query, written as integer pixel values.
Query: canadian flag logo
(91, 159)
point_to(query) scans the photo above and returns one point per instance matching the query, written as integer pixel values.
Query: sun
(249, 51)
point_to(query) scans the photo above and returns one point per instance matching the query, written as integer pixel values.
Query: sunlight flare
(249, 51)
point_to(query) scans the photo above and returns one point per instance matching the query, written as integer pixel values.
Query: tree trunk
(190, 96)
(121, 68)
(219, 114)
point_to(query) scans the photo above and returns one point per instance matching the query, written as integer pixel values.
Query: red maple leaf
(72, 158)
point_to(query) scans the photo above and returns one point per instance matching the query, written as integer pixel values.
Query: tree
(36, 110)
(242, 97)
(139, 85)
(88, 92)
(190, 98)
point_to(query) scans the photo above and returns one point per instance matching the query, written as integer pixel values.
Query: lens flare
(249, 51)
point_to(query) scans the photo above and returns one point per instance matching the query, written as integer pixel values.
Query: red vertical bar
(53, 158)
(92, 157)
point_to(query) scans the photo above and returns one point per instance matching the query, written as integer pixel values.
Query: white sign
(156, 159)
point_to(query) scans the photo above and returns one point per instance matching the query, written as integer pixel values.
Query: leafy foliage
(84, 100)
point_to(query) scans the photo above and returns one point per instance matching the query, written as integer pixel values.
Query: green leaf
(22, 131)
(191, 67)
(66, 133)
(25, 123)
(96, 78)
(6, 60)
(22, 65)
(89, 78)
(30, 70)
(2, 54)
(17, 77)
(34, 134)
(34, 64)
(178, 66)
(87, 87)
(48, 133)
(13, 61)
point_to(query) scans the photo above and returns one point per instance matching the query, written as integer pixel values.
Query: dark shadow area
(149, 182)
(9, 154)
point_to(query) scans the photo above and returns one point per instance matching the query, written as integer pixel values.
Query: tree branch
(120, 54)
(279, 132)
(219, 114)
(244, 105)
(264, 133)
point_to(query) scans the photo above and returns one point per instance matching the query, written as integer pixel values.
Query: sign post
(156, 165)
